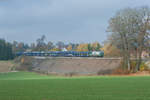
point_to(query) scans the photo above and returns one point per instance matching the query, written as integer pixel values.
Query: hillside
(5, 66)
(69, 66)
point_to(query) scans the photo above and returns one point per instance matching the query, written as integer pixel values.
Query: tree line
(8, 50)
(42, 45)
(5, 50)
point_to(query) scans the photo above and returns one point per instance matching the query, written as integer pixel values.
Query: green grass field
(31, 86)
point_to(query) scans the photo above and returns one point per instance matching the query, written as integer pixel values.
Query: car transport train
(63, 54)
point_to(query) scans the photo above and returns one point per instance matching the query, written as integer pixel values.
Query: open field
(31, 86)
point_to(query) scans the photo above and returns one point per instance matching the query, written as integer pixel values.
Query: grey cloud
(66, 20)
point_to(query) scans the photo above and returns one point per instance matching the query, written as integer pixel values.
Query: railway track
(38, 57)
(119, 58)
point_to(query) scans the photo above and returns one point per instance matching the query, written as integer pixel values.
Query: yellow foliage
(111, 51)
(82, 47)
(143, 66)
(69, 48)
(22, 60)
(95, 46)
(55, 49)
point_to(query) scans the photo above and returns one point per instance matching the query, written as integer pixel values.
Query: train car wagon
(63, 54)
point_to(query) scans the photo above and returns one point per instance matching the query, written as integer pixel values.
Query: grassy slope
(5, 66)
(31, 86)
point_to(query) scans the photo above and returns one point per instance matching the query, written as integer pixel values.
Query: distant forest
(8, 50)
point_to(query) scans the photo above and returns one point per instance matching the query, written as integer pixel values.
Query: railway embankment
(69, 65)
(6, 66)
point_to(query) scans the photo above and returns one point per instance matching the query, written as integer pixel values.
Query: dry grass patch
(6, 66)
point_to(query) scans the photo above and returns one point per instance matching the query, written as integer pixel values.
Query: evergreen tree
(5, 50)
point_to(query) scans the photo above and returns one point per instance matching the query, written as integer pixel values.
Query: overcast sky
(60, 20)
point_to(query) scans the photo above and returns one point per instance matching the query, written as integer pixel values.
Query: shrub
(104, 72)
(133, 65)
(120, 71)
(143, 67)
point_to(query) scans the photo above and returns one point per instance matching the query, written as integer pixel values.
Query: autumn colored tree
(82, 47)
(55, 49)
(111, 51)
(69, 48)
(95, 46)
(130, 30)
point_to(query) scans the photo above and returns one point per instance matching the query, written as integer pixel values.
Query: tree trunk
(139, 58)
(129, 67)
(127, 52)
(141, 44)
(123, 52)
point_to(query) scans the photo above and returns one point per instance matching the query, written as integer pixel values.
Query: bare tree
(118, 26)
(41, 45)
(50, 45)
(143, 33)
(60, 45)
(129, 28)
